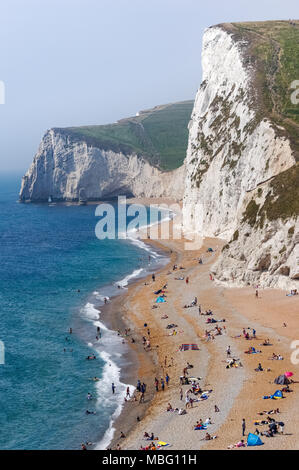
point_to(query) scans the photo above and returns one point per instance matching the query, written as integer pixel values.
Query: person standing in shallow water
(113, 388)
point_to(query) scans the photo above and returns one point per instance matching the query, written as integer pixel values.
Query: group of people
(161, 384)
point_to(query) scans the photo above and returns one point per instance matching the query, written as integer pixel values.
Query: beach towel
(162, 444)
(254, 440)
(188, 347)
(202, 426)
(160, 300)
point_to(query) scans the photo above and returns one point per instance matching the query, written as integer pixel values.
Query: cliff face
(241, 181)
(64, 166)
(141, 155)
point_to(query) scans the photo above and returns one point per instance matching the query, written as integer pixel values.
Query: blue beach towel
(160, 300)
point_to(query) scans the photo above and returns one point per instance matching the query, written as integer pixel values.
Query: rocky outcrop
(241, 175)
(64, 166)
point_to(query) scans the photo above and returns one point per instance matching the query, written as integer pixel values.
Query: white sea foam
(90, 311)
(100, 296)
(124, 282)
(111, 372)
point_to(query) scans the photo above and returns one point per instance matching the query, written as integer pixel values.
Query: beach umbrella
(288, 374)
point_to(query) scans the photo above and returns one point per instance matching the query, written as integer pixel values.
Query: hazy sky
(80, 62)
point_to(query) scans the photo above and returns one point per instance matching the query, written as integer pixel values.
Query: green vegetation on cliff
(281, 202)
(160, 134)
(274, 55)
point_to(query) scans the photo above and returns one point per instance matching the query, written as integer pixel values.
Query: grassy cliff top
(273, 54)
(159, 134)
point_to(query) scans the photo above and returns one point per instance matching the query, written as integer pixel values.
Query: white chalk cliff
(238, 165)
(64, 166)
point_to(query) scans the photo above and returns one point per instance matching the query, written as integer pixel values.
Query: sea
(54, 275)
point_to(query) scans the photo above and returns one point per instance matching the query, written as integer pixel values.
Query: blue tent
(160, 299)
(254, 440)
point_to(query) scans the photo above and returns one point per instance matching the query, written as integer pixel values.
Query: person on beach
(153, 277)
(228, 351)
(156, 384)
(187, 280)
(113, 388)
(241, 443)
(128, 392)
(243, 427)
(187, 401)
(181, 394)
(216, 409)
(162, 384)
(167, 378)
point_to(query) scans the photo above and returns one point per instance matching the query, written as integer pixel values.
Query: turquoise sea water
(47, 254)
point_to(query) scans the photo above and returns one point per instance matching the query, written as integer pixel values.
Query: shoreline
(112, 315)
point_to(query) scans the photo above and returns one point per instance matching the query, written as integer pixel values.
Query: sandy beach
(238, 391)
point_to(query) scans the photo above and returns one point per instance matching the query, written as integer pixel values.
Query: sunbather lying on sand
(207, 312)
(271, 412)
(276, 357)
(266, 342)
(208, 437)
(252, 350)
(241, 443)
